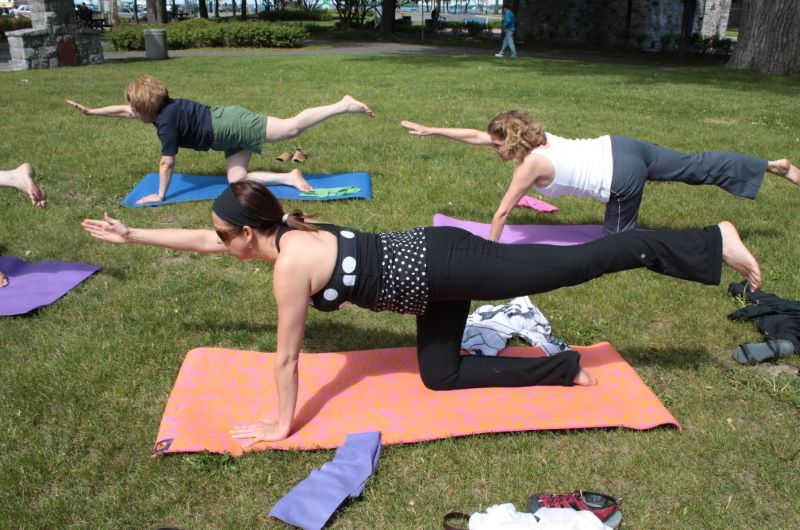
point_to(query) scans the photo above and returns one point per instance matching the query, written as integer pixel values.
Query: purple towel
(33, 285)
(311, 503)
(562, 235)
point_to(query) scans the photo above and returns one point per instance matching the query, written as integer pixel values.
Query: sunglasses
(225, 235)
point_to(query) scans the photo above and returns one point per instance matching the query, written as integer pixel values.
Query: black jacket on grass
(775, 317)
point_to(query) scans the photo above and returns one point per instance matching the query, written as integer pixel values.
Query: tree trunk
(114, 14)
(686, 27)
(203, 9)
(387, 18)
(769, 38)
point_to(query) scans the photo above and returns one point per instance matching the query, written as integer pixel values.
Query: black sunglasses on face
(224, 235)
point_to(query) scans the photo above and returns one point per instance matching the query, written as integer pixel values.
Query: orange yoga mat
(380, 390)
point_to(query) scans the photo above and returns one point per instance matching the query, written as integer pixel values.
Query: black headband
(229, 209)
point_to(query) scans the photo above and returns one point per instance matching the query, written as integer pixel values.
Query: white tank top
(583, 167)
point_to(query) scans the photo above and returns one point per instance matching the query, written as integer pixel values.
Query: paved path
(320, 47)
(323, 47)
(313, 47)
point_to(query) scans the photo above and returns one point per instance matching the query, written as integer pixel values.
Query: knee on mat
(437, 383)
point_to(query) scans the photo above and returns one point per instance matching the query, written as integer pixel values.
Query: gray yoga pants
(636, 162)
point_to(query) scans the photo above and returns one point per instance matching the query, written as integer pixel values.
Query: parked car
(127, 12)
(22, 11)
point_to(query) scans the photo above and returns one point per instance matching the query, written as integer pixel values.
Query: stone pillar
(714, 19)
(54, 32)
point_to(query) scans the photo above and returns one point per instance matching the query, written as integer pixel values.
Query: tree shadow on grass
(702, 74)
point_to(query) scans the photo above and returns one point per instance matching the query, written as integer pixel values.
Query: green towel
(331, 192)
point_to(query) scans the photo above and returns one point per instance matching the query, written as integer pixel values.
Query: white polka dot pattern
(345, 275)
(330, 294)
(349, 264)
(405, 286)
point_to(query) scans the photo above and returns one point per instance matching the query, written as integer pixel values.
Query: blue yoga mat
(185, 188)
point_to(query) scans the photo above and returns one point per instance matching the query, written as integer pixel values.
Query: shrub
(127, 37)
(456, 27)
(13, 24)
(722, 46)
(475, 28)
(199, 33)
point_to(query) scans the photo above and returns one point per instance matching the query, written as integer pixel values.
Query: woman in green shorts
(235, 130)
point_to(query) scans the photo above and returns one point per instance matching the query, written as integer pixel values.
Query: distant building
(646, 23)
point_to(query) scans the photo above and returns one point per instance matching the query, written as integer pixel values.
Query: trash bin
(155, 43)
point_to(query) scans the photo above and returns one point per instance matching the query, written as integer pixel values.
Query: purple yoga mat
(545, 234)
(33, 285)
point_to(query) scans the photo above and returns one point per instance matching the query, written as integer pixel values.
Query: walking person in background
(509, 26)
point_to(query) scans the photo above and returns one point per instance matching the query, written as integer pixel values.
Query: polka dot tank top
(380, 272)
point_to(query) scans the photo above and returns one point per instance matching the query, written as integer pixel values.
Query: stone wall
(53, 39)
(643, 23)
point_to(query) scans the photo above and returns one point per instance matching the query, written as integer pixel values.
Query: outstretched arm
(112, 111)
(465, 136)
(525, 176)
(113, 231)
(291, 281)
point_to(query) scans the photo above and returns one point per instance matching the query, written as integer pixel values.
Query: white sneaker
(498, 55)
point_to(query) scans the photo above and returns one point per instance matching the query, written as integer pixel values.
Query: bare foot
(353, 105)
(584, 378)
(23, 178)
(3, 279)
(294, 178)
(736, 255)
(784, 168)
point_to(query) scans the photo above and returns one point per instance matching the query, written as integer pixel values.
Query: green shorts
(236, 129)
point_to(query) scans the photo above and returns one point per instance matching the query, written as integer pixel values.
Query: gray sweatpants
(636, 162)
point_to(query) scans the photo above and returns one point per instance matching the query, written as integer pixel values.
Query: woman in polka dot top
(433, 273)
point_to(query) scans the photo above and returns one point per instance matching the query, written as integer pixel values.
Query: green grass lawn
(84, 382)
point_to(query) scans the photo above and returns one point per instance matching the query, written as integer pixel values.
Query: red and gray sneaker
(605, 507)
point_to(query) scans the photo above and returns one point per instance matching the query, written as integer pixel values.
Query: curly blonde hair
(147, 95)
(519, 133)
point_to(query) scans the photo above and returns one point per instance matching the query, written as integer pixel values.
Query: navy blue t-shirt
(184, 123)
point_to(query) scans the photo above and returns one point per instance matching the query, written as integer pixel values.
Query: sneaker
(498, 55)
(606, 508)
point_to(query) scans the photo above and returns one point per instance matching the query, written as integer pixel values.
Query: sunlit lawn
(84, 381)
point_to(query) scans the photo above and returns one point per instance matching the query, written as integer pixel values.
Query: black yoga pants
(462, 267)
(636, 162)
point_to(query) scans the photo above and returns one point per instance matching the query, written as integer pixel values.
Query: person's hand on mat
(81, 108)
(3, 279)
(109, 229)
(153, 197)
(265, 430)
(415, 128)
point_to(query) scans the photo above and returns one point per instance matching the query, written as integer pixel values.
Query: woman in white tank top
(611, 169)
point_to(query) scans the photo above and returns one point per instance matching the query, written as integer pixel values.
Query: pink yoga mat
(33, 285)
(380, 390)
(544, 234)
(537, 204)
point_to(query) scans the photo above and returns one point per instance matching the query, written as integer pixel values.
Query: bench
(100, 22)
